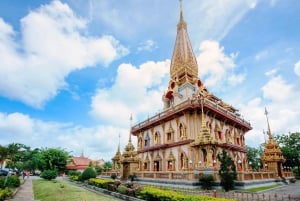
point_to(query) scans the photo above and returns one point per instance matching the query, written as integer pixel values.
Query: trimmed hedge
(155, 194)
(101, 183)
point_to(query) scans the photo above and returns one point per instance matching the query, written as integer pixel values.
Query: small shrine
(272, 157)
(129, 161)
(116, 159)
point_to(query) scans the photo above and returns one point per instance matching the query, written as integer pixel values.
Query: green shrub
(49, 174)
(131, 177)
(122, 189)
(293, 180)
(113, 176)
(88, 173)
(12, 181)
(206, 182)
(5, 193)
(74, 173)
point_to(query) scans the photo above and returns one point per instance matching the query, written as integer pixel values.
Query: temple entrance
(156, 165)
(126, 170)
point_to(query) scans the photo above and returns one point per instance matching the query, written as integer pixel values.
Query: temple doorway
(126, 170)
(156, 165)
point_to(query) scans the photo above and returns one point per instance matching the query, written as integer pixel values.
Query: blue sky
(73, 71)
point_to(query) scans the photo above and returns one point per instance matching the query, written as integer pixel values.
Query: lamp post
(250, 165)
(200, 164)
(214, 164)
(191, 163)
(240, 165)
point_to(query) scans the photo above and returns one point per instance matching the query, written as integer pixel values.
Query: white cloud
(137, 90)
(236, 79)
(148, 45)
(271, 72)
(215, 65)
(93, 141)
(277, 89)
(53, 43)
(297, 68)
(282, 105)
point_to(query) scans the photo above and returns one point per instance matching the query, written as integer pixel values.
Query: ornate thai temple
(195, 126)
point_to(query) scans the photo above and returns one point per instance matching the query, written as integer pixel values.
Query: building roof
(80, 162)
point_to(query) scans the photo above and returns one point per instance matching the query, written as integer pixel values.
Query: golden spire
(130, 127)
(184, 67)
(269, 130)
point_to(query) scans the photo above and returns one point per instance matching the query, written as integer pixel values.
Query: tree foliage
(227, 171)
(254, 157)
(54, 159)
(290, 147)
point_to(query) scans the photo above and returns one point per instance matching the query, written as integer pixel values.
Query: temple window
(220, 135)
(145, 166)
(169, 137)
(157, 138)
(147, 141)
(140, 143)
(180, 131)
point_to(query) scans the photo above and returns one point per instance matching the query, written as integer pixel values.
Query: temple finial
(269, 129)
(181, 15)
(119, 142)
(130, 127)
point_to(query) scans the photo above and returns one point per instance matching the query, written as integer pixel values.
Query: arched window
(181, 131)
(147, 140)
(156, 138)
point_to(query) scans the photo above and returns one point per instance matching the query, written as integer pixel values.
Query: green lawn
(262, 188)
(61, 191)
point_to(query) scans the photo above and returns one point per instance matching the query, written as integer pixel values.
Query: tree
(33, 160)
(107, 165)
(54, 159)
(227, 171)
(290, 148)
(254, 157)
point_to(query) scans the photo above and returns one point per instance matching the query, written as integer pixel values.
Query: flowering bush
(155, 194)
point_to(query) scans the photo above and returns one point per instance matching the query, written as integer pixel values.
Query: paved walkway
(25, 192)
(283, 193)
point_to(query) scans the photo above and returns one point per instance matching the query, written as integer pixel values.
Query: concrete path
(25, 192)
(285, 192)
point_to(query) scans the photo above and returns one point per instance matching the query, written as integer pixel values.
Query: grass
(61, 191)
(262, 188)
